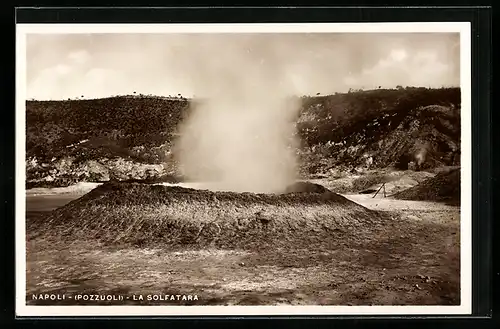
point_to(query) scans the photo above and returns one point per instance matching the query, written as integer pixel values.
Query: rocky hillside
(404, 128)
(131, 137)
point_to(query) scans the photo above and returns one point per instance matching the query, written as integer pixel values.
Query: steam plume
(421, 154)
(240, 135)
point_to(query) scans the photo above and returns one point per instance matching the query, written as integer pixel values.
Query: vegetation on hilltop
(131, 137)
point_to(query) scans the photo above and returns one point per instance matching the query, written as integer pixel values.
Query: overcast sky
(101, 65)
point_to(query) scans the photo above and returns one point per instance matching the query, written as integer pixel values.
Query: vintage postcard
(243, 169)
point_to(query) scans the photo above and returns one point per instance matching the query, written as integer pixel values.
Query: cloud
(420, 68)
(61, 69)
(48, 82)
(105, 82)
(97, 75)
(306, 63)
(57, 80)
(79, 57)
(398, 55)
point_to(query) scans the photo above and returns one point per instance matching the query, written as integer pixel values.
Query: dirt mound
(172, 179)
(306, 187)
(443, 187)
(143, 214)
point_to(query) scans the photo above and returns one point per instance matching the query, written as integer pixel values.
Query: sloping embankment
(444, 187)
(142, 214)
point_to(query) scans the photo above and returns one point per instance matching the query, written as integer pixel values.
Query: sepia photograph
(243, 169)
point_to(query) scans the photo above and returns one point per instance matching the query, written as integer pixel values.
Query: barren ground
(413, 261)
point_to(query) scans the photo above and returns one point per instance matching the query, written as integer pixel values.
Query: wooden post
(378, 190)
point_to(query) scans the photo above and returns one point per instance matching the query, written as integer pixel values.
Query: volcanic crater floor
(301, 248)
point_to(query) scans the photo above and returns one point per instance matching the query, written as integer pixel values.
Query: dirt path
(433, 212)
(389, 204)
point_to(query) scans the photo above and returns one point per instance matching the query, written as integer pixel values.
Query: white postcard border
(466, 162)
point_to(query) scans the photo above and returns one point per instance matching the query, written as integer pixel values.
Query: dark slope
(389, 126)
(142, 214)
(132, 137)
(444, 187)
